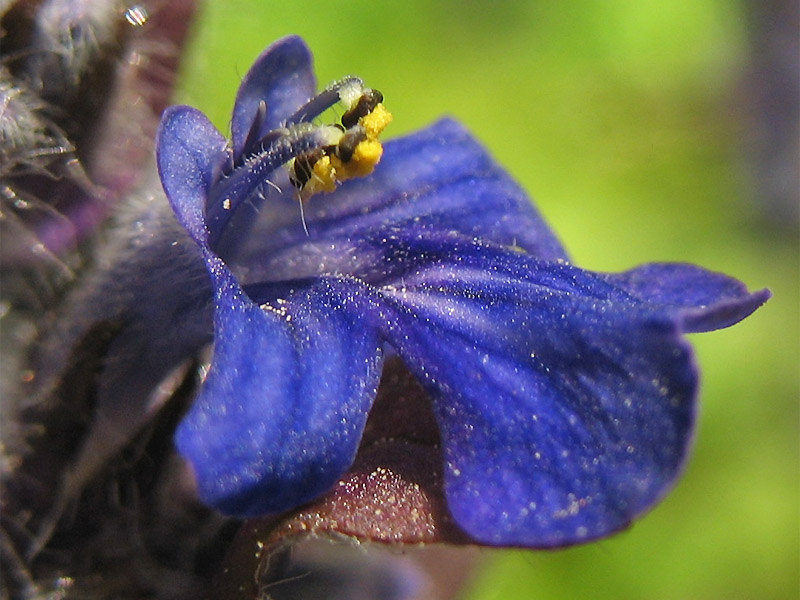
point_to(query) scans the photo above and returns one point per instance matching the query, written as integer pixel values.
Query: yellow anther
(324, 174)
(313, 174)
(366, 155)
(323, 178)
(376, 121)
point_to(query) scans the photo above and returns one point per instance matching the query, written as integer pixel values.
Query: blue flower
(565, 399)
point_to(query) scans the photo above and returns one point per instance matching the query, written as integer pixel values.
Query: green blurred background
(627, 122)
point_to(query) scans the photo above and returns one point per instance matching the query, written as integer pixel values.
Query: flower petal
(566, 404)
(692, 290)
(189, 152)
(280, 416)
(439, 179)
(282, 78)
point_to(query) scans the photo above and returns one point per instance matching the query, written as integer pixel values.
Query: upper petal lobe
(190, 152)
(282, 79)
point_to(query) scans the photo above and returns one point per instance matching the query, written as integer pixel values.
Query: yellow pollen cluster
(365, 156)
(323, 179)
(330, 169)
(375, 122)
(368, 152)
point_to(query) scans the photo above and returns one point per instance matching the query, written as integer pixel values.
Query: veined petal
(566, 404)
(439, 179)
(189, 153)
(278, 83)
(281, 413)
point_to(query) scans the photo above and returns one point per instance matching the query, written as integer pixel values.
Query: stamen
(302, 169)
(347, 145)
(252, 135)
(346, 90)
(317, 157)
(356, 153)
(365, 104)
(279, 147)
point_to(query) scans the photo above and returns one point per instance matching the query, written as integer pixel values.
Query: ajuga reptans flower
(565, 399)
